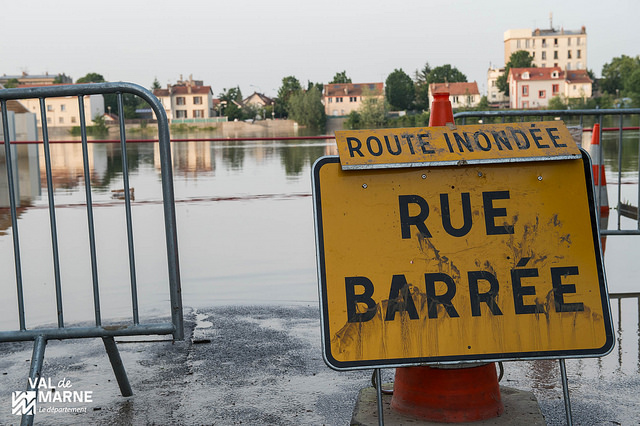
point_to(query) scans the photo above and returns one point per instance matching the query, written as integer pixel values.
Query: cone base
(448, 395)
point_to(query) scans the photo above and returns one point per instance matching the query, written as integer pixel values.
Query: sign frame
(336, 364)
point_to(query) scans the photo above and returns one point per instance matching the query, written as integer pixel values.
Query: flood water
(245, 230)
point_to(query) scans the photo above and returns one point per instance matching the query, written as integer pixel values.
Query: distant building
(65, 111)
(566, 49)
(461, 95)
(257, 99)
(495, 96)
(532, 88)
(25, 79)
(186, 100)
(342, 98)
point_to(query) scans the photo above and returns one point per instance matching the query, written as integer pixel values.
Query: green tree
(421, 101)
(557, 103)
(307, 109)
(518, 59)
(340, 77)
(616, 73)
(399, 90)
(12, 83)
(290, 85)
(446, 74)
(230, 99)
(155, 84)
(91, 77)
(61, 78)
(372, 110)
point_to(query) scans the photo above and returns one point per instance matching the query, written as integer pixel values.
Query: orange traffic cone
(456, 393)
(599, 181)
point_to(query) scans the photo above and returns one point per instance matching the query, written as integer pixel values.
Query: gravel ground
(262, 365)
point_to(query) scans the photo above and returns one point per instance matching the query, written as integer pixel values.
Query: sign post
(458, 244)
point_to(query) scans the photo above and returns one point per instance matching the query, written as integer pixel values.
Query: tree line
(619, 86)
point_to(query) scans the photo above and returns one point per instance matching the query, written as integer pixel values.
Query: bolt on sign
(459, 257)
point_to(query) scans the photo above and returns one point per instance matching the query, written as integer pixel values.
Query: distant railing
(580, 118)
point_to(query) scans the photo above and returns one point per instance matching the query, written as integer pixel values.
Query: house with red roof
(342, 98)
(187, 99)
(461, 95)
(532, 88)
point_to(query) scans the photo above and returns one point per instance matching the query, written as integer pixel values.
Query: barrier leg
(118, 366)
(565, 392)
(35, 371)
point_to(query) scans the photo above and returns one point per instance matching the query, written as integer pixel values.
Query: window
(525, 90)
(555, 88)
(73, 119)
(533, 55)
(544, 42)
(568, 65)
(555, 54)
(63, 107)
(180, 113)
(542, 94)
(197, 100)
(49, 107)
(569, 41)
(568, 54)
(544, 55)
(49, 120)
(526, 43)
(578, 54)
(525, 104)
(180, 100)
(555, 42)
(518, 44)
(454, 99)
(198, 113)
(578, 41)
(330, 100)
(338, 99)
(61, 120)
(353, 99)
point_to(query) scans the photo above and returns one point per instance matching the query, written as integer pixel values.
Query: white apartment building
(341, 98)
(186, 100)
(562, 48)
(495, 97)
(65, 111)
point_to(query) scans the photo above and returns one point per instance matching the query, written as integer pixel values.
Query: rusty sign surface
(455, 263)
(471, 144)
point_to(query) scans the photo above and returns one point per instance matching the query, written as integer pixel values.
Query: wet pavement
(262, 365)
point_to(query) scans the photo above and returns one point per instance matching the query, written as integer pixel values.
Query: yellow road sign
(455, 263)
(471, 144)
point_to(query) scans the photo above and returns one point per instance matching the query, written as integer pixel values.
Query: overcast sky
(254, 44)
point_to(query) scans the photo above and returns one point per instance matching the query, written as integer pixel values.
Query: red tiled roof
(578, 76)
(183, 90)
(455, 89)
(536, 73)
(351, 89)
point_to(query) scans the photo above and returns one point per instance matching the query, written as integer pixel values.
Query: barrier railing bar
(35, 371)
(52, 212)
(620, 148)
(82, 332)
(90, 223)
(599, 183)
(638, 211)
(127, 203)
(14, 216)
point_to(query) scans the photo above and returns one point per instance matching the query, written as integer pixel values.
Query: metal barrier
(579, 118)
(134, 326)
